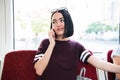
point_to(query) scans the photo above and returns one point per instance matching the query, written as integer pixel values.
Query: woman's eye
(61, 20)
(53, 22)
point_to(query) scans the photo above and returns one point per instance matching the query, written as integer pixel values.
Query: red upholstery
(111, 76)
(18, 65)
(90, 70)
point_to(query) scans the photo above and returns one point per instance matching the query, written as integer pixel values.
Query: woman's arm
(116, 60)
(103, 65)
(42, 63)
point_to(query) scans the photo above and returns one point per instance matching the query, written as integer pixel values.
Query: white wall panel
(6, 29)
(6, 26)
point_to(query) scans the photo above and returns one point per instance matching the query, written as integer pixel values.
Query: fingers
(52, 33)
(51, 36)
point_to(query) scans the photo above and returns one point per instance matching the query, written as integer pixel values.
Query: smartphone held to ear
(55, 33)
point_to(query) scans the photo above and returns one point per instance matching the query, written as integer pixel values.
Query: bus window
(96, 22)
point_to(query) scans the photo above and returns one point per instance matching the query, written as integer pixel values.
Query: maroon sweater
(64, 59)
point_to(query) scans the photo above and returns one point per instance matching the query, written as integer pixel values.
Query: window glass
(96, 22)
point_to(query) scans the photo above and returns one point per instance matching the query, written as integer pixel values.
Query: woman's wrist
(52, 45)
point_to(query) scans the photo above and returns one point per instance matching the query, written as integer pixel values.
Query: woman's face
(58, 23)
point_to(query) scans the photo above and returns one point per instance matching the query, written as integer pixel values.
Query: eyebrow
(59, 18)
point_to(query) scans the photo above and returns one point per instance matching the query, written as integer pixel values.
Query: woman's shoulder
(76, 42)
(46, 40)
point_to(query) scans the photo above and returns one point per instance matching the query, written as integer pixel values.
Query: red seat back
(111, 76)
(90, 70)
(18, 65)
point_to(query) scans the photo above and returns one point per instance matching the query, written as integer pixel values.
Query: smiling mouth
(60, 29)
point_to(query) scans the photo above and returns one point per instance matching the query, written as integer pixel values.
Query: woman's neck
(62, 39)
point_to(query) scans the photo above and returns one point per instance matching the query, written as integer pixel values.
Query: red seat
(111, 76)
(90, 70)
(18, 65)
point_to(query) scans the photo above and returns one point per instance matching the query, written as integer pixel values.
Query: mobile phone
(55, 33)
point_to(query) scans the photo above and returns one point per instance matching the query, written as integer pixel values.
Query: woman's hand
(51, 37)
(42, 63)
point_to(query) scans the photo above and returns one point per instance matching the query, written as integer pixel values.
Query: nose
(58, 24)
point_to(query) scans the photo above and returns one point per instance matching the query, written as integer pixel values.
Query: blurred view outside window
(96, 22)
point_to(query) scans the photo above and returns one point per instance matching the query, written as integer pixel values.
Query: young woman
(57, 57)
(116, 59)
